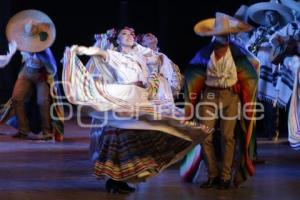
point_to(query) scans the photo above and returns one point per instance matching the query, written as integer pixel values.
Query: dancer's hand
(12, 46)
(4, 59)
(89, 51)
(74, 48)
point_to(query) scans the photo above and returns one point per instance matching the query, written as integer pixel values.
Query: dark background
(78, 20)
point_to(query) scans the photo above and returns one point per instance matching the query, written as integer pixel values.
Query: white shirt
(261, 40)
(221, 73)
(129, 67)
(31, 60)
(291, 29)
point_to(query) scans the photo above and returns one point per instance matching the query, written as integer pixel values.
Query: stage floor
(33, 170)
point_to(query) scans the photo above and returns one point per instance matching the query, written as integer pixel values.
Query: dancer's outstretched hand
(74, 48)
(4, 59)
(89, 51)
(12, 46)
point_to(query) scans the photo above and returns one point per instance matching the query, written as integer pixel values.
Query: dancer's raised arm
(89, 51)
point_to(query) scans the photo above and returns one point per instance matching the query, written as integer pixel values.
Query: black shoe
(224, 184)
(211, 182)
(113, 186)
(125, 186)
(20, 135)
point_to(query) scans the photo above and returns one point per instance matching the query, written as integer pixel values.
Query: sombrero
(221, 25)
(256, 12)
(242, 13)
(292, 4)
(32, 30)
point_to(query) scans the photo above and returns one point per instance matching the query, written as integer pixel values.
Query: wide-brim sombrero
(20, 28)
(242, 13)
(292, 4)
(256, 13)
(222, 24)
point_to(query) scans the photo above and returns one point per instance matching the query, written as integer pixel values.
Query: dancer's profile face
(150, 41)
(126, 38)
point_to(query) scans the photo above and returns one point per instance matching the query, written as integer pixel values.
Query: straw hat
(221, 25)
(242, 13)
(292, 4)
(257, 12)
(33, 30)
